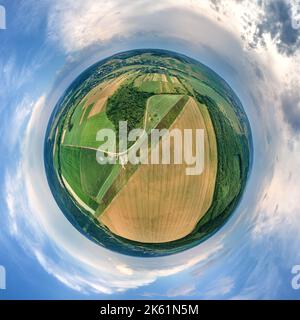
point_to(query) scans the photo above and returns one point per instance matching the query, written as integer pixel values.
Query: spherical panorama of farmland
(148, 152)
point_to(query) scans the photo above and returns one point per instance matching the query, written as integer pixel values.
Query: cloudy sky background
(252, 45)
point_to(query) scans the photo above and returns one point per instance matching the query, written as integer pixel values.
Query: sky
(252, 45)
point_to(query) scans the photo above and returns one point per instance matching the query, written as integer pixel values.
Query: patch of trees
(233, 163)
(127, 104)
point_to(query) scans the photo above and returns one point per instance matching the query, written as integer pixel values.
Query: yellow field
(99, 95)
(160, 203)
(164, 78)
(175, 80)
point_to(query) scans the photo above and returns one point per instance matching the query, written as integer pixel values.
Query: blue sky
(251, 45)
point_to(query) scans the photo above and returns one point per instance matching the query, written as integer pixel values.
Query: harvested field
(100, 97)
(160, 203)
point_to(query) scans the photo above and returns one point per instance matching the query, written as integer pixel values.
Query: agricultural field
(157, 108)
(147, 209)
(159, 83)
(170, 205)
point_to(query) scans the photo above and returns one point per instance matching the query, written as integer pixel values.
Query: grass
(85, 175)
(70, 168)
(85, 134)
(158, 107)
(91, 127)
(72, 126)
(151, 87)
(93, 175)
(108, 182)
(170, 117)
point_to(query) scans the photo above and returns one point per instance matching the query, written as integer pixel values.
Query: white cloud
(77, 25)
(220, 287)
(214, 37)
(185, 290)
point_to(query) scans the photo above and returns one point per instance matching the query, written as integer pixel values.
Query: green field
(70, 161)
(158, 106)
(85, 134)
(92, 174)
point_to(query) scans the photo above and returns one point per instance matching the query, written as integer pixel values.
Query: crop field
(113, 174)
(159, 83)
(92, 174)
(70, 159)
(84, 174)
(85, 135)
(159, 202)
(157, 107)
(89, 116)
(90, 129)
(101, 94)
